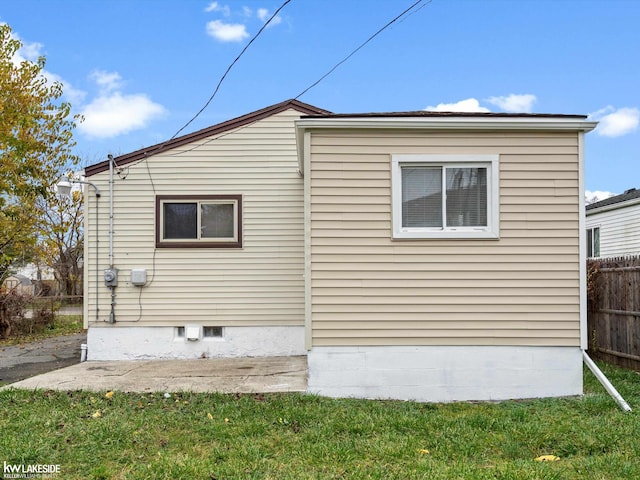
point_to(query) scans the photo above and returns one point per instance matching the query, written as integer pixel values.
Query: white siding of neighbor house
(259, 284)
(369, 290)
(619, 229)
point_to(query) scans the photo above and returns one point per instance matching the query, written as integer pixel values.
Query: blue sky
(139, 70)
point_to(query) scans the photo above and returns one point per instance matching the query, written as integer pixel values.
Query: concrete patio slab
(228, 375)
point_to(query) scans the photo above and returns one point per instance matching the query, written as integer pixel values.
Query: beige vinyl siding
(367, 289)
(259, 284)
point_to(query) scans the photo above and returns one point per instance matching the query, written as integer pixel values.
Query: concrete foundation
(445, 374)
(140, 343)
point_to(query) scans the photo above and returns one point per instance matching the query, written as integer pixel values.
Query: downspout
(583, 287)
(605, 382)
(112, 314)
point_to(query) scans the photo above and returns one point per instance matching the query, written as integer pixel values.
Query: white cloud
(114, 114)
(31, 51)
(111, 113)
(227, 32)
(74, 95)
(616, 123)
(216, 7)
(247, 12)
(107, 81)
(596, 195)
(514, 103)
(263, 15)
(468, 105)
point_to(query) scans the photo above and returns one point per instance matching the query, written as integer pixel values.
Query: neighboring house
(36, 272)
(613, 225)
(415, 255)
(19, 284)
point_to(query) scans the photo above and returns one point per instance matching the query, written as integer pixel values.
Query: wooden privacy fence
(613, 315)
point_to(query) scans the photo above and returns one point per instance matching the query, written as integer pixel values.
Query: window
(210, 221)
(212, 332)
(445, 196)
(593, 242)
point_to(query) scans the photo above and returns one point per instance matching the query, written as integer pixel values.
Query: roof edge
(122, 160)
(428, 113)
(626, 199)
(429, 120)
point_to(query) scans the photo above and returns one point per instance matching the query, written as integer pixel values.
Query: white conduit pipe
(605, 382)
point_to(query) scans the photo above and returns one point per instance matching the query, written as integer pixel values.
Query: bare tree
(60, 239)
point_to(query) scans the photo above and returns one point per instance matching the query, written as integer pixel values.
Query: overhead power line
(275, 14)
(222, 78)
(405, 12)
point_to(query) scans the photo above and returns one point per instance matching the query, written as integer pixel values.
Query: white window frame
(593, 242)
(490, 162)
(200, 241)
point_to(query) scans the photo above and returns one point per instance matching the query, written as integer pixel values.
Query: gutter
(449, 123)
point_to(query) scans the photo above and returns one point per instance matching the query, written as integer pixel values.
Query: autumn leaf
(209, 416)
(96, 414)
(547, 458)
(109, 394)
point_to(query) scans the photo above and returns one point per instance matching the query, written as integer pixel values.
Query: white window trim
(592, 228)
(491, 162)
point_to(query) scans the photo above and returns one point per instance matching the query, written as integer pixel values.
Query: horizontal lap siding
(522, 289)
(619, 230)
(260, 284)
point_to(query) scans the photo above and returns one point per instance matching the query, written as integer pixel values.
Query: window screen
(180, 220)
(466, 197)
(217, 220)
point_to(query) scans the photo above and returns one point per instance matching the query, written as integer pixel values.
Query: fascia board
(449, 123)
(438, 123)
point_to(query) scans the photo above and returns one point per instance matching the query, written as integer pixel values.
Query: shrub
(12, 312)
(24, 315)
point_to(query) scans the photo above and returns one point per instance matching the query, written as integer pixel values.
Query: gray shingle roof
(623, 197)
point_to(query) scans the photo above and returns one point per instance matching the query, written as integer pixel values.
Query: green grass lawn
(292, 436)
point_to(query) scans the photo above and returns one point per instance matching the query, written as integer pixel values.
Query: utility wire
(230, 67)
(406, 13)
(162, 145)
(215, 92)
(361, 46)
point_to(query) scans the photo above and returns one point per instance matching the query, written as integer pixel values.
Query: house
(613, 225)
(215, 221)
(295, 231)
(20, 284)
